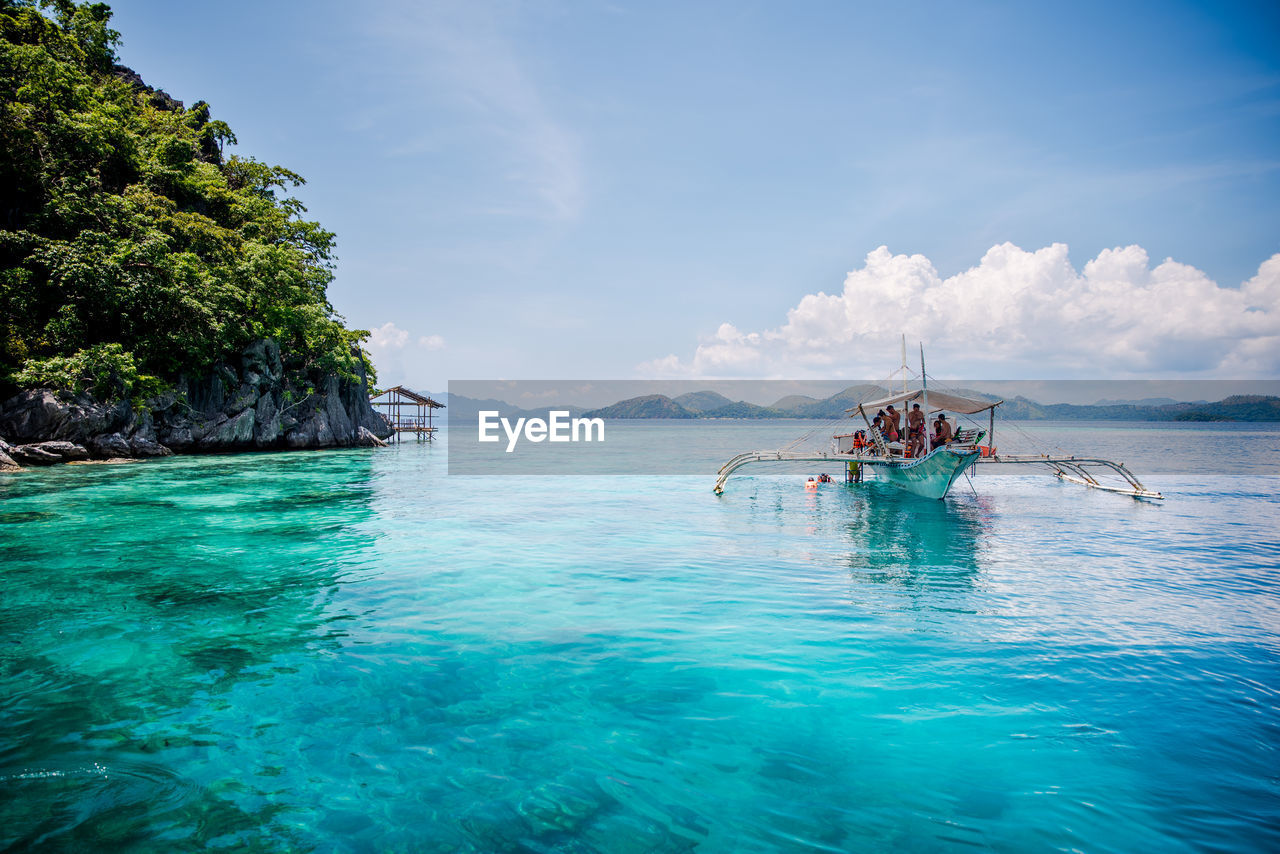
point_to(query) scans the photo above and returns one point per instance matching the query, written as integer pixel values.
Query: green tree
(125, 226)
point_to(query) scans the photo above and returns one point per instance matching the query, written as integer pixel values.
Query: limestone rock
(66, 450)
(30, 455)
(144, 428)
(140, 446)
(261, 359)
(312, 431)
(42, 415)
(335, 414)
(178, 436)
(110, 445)
(7, 462)
(252, 404)
(245, 397)
(365, 439)
(48, 453)
(266, 431)
(227, 434)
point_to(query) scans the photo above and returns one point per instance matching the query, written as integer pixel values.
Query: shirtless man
(915, 431)
(941, 431)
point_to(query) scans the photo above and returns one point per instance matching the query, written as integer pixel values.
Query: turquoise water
(350, 651)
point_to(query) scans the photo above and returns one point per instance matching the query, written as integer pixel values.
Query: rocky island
(157, 295)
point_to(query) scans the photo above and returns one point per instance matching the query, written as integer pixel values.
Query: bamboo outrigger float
(1067, 468)
(932, 474)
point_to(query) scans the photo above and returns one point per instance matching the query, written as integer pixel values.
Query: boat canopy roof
(938, 400)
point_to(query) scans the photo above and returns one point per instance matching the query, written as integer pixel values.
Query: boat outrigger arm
(932, 475)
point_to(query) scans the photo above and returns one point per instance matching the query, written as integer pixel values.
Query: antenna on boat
(924, 384)
(904, 363)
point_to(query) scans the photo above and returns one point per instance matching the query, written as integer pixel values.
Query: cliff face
(250, 406)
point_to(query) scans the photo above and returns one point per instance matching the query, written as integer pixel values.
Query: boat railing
(878, 442)
(1077, 470)
(774, 456)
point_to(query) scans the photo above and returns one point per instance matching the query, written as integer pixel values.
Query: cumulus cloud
(396, 351)
(389, 339)
(1017, 313)
(386, 337)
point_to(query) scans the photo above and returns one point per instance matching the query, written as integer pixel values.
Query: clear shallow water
(350, 651)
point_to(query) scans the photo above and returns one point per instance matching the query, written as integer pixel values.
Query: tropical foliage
(132, 247)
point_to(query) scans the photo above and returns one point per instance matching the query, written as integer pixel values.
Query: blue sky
(624, 190)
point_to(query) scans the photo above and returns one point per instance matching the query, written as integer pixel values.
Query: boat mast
(904, 363)
(924, 384)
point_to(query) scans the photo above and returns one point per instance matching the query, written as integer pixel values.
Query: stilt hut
(407, 411)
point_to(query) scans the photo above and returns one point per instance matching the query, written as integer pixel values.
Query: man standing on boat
(915, 432)
(895, 424)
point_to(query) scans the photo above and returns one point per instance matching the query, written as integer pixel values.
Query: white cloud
(397, 353)
(386, 337)
(1016, 313)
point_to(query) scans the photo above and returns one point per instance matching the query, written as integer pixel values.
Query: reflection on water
(896, 533)
(925, 556)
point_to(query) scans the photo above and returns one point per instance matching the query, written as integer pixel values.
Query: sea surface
(353, 651)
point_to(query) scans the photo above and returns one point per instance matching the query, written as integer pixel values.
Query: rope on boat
(1035, 444)
(804, 437)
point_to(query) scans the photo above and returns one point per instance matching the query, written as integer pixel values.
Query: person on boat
(941, 431)
(915, 432)
(895, 424)
(885, 424)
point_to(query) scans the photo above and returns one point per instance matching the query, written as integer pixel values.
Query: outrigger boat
(932, 474)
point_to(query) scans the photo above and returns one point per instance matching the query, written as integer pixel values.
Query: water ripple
(354, 652)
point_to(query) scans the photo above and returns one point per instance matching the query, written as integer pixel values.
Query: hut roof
(420, 399)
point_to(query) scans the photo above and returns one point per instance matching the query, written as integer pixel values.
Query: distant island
(713, 405)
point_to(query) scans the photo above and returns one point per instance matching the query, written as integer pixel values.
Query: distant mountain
(703, 401)
(648, 406)
(710, 404)
(791, 401)
(1249, 407)
(459, 407)
(742, 409)
(1238, 407)
(836, 405)
(1021, 409)
(468, 408)
(1146, 401)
